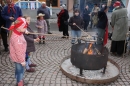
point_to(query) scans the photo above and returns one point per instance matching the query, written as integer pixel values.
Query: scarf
(106, 35)
(59, 17)
(11, 8)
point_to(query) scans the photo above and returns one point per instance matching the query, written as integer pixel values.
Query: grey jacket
(119, 22)
(45, 11)
(30, 41)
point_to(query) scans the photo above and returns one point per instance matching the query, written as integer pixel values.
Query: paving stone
(48, 57)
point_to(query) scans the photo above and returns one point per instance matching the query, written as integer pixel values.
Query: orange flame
(90, 51)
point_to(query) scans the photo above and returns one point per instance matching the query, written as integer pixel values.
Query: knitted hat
(117, 3)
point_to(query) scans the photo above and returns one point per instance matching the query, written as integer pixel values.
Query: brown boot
(43, 40)
(32, 65)
(30, 70)
(21, 83)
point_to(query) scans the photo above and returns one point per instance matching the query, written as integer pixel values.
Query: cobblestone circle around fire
(48, 58)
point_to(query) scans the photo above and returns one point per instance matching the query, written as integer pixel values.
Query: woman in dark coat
(86, 17)
(30, 39)
(63, 17)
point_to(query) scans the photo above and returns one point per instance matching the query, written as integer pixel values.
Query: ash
(111, 71)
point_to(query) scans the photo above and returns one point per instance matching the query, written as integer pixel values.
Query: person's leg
(113, 47)
(43, 37)
(121, 47)
(27, 65)
(66, 30)
(48, 25)
(4, 39)
(64, 34)
(87, 23)
(85, 26)
(100, 33)
(40, 39)
(19, 72)
(78, 36)
(73, 35)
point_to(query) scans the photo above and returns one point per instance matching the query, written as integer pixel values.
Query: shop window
(53, 2)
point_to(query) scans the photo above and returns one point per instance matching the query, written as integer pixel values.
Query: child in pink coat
(18, 48)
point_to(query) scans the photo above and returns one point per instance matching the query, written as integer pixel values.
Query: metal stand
(81, 72)
(104, 70)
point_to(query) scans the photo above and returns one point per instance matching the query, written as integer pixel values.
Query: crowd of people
(21, 42)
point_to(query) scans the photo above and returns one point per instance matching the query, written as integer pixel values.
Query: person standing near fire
(86, 17)
(75, 22)
(102, 25)
(9, 13)
(63, 17)
(119, 23)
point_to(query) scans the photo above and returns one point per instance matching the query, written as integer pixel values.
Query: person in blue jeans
(75, 21)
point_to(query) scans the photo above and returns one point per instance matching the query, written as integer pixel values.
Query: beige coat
(119, 22)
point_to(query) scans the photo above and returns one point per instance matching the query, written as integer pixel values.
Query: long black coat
(2, 21)
(86, 16)
(63, 17)
(30, 40)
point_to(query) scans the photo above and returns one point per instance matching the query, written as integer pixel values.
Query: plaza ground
(48, 57)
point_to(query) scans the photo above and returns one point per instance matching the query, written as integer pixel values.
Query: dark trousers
(65, 30)
(4, 39)
(118, 47)
(86, 23)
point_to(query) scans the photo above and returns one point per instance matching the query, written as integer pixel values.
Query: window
(53, 2)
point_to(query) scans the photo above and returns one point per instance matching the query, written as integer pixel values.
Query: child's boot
(43, 40)
(21, 83)
(40, 41)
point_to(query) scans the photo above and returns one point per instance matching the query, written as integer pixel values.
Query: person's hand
(40, 27)
(11, 18)
(89, 14)
(23, 63)
(38, 39)
(35, 40)
(74, 23)
(27, 32)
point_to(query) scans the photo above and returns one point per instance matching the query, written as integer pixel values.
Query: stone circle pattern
(48, 58)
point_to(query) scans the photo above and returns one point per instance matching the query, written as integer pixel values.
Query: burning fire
(90, 51)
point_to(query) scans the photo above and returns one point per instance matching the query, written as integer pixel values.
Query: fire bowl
(90, 76)
(86, 61)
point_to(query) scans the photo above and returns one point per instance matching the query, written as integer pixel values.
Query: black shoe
(43, 41)
(67, 37)
(63, 37)
(49, 33)
(6, 50)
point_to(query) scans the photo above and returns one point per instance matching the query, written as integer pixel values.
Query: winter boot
(21, 83)
(40, 41)
(43, 40)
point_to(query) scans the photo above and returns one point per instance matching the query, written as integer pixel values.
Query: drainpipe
(37, 4)
(51, 9)
(19, 2)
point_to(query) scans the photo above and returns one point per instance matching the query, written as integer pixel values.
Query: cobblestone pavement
(48, 57)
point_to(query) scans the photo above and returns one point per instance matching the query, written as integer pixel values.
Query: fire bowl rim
(90, 81)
